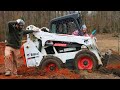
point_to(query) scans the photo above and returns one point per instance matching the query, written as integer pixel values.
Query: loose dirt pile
(35, 73)
(61, 74)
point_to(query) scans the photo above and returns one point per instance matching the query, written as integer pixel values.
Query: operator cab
(66, 24)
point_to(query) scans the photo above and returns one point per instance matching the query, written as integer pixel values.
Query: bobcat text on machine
(54, 49)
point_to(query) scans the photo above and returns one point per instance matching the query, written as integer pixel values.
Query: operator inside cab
(84, 30)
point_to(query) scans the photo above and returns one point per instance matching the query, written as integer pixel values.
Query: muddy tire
(51, 63)
(85, 60)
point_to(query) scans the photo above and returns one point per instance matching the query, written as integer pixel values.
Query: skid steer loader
(54, 49)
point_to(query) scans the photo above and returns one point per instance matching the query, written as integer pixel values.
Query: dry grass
(107, 41)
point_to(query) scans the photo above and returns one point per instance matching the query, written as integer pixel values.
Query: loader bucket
(106, 58)
(111, 63)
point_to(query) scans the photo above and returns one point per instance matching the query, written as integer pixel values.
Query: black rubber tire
(89, 54)
(51, 59)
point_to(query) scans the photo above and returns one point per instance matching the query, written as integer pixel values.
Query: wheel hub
(85, 63)
(52, 68)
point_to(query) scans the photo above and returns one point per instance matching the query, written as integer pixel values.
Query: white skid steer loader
(51, 50)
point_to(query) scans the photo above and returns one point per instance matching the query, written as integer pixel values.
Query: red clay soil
(61, 74)
(34, 73)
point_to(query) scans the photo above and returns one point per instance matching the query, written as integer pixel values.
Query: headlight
(83, 47)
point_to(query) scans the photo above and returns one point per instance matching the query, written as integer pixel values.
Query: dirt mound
(60, 74)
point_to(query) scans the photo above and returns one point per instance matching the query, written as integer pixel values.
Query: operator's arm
(11, 23)
(10, 27)
(27, 32)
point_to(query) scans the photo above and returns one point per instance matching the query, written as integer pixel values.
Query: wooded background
(102, 21)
